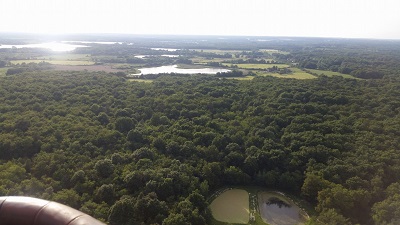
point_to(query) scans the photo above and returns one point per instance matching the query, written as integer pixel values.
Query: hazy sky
(320, 18)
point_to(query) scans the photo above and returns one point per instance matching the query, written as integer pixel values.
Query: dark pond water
(276, 209)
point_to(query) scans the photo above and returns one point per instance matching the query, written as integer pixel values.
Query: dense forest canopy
(152, 153)
(105, 145)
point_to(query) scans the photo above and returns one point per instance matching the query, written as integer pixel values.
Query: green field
(219, 51)
(55, 62)
(330, 73)
(297, 74)
(256, 66)
(60, 59)
(63, 57)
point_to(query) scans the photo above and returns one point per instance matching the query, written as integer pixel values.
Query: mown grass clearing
(54, 62)
(297, 74)
(330, 73)
(232, 206)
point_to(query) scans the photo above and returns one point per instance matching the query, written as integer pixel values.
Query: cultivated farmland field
(55, 62)
(297, 74)
(60, 59)
(231, 206)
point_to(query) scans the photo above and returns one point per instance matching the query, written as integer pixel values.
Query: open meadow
(330, 73)
(59, 59)
(54, 62)
(296, 74)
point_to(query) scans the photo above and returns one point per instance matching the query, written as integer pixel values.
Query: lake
(54, 46)
(175, 69)
(165, 49)
(147, 56)
(96, 42)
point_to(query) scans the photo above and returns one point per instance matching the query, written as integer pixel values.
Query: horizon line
(190, 35)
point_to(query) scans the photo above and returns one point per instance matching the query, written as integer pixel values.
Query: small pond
(231, 206)
(276, 209)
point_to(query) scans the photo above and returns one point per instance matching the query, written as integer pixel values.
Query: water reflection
(165, 49)
(278, 202)
(148, 56)
(175, 69)
(276, 209)
(96, 42)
